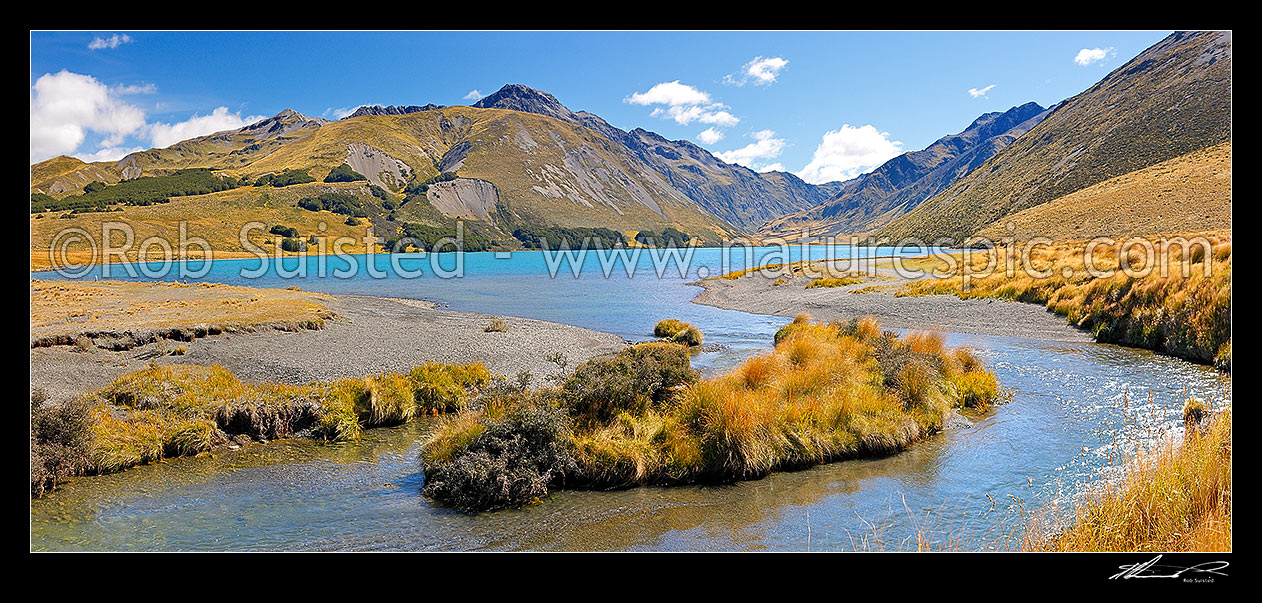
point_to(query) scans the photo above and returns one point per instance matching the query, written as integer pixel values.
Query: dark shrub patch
(61, 439)
(343, 173)
(284, 231)
(509, 464)
(631, 380)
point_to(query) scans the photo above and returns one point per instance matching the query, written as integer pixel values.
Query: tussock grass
(821, 283)
(678, 331)
(496, 326)
(1176, 498)
(826, 392)
(169, 411)
(1185, 316)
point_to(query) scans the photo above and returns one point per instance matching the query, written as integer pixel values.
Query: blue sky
(825, 105)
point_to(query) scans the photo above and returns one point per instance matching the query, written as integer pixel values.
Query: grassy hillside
(1190, 193)
(542, 171)
(1172, 99)
(217, 217)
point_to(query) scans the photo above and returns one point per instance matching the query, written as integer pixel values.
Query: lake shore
(760, 294)
(369, 335)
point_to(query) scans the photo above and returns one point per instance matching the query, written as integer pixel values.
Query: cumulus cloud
(710, 136)
(980, 92)
(66, 106)
(1087, 56)
(114, 41)
(754, 155)
(683, 104)
(108, 154)
(339, 112)
(772, 167)
(760, 71)
(473, 95)
(849, 151)
(165, 135)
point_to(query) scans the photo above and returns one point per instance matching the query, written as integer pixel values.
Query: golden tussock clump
(826, 392)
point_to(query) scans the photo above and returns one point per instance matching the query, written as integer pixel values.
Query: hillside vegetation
(1171, 100)
(1190, 193)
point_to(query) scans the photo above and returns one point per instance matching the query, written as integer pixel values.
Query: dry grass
(217, 217)
(1185, 194)
(1186, 316)
(832, 282)
(123, 314)
(1176, 498)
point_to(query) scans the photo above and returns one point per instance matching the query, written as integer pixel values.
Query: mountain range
(519, 157)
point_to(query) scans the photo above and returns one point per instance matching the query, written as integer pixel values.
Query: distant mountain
(390, 110)
(1171, 100)
(521, 157)
(739, 195)
(900, 184)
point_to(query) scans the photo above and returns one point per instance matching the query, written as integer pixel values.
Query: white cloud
(976, 93)
(114, 41)
(473, 95)
(1087, 56)
(670, 93)
(108, 154)
(772, 167)
(164, 135)
(66, 106)
(710, 136)
(845, 153)
(761, 71)
(684, 104)
(135, 89)
(765, 146)
(340, 112)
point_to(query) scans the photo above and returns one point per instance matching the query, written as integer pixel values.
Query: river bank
(369, 335)
(784, 293)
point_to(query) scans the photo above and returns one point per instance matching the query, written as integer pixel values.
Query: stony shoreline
(758, 293)
(370, 335)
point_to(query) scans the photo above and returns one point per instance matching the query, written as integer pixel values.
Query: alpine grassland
(1174, 299)
(826, 392)
(181, 410)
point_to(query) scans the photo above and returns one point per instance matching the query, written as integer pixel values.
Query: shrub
(61, 440)
(286, 178)
(632, 380)
(353, 221)
(507, 462)
(343, 173)
(292, 244)
(284, 231)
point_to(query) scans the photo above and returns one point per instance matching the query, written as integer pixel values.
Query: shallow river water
(1076, 408)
